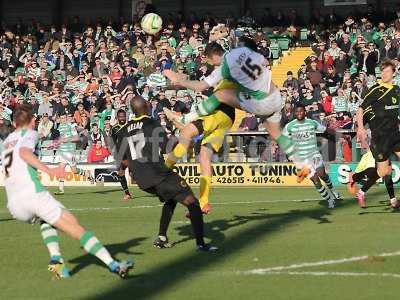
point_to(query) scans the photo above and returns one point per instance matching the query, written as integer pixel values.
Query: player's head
(388, 68)
(23, 116)
(300, 112)
(214, 53)
(247, 42)
(121, 116)
(140, 106)
(63, 118)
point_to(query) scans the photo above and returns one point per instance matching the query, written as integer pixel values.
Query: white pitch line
(341, 274)
(316, 264)
(159, 205)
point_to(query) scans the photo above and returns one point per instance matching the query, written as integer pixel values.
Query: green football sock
(51, 240)
(93, 246)
(202, 109)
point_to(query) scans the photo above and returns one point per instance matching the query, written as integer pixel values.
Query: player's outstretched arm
(27, 155)
(177, 79)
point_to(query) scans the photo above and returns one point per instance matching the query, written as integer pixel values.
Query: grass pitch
(275, 243)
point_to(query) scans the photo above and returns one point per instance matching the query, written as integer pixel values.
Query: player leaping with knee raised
(213, 127)
(256, 93)
(302, 131)
(28, 200)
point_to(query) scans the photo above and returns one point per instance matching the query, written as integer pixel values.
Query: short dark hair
(121, 111)
(388, 63)
(23, 115)
(245, 41)
(214, 48)
(300, 105)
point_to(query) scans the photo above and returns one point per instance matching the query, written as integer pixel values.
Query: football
(151, 23)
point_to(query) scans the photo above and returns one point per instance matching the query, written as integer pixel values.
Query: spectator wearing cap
(367, 62)
(45, 126)
(291, 81)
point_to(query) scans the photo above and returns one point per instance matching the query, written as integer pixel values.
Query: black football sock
(389, 185)
(166, 216)
(196, 218)
(372, 177)
(124, 184)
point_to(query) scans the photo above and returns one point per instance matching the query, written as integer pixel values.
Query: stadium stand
(88, 70)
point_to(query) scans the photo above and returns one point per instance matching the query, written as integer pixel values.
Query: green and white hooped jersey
(20, 179)
(340, 103)
(247, 68)
(67, 131)
(303, 135)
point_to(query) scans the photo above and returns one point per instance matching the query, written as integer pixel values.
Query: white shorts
(39, 205)
(269, 107)
(67, 158)
(315, 162)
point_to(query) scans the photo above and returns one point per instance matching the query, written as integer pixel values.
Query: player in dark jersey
(117, 140)
(144, 139)
(380, 110)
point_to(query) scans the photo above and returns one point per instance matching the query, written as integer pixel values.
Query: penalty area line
(339, 274)
(280, 269)
(83, 209)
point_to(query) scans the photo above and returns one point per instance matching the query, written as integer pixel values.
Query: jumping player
(213, 128)
(27, 198)
(143, 142)
(255, 93)
(302, 131)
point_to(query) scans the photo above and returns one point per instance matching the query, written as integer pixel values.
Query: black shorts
(173, 187)
(383, 146)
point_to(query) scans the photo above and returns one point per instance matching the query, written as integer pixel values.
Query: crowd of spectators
(90, 71)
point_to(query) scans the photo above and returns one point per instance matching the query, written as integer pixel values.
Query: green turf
(251, 235)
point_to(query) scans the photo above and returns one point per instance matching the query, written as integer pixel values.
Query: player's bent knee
(190, 200)
(70, 225)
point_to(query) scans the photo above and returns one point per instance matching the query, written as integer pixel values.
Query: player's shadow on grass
(154, 282)
(114, 249)
(214, 230)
